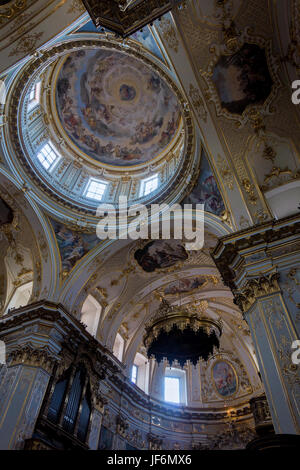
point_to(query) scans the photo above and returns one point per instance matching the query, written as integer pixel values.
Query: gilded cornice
(56, 323)
(233, 249)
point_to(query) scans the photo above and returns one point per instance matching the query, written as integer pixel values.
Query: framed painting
(224, 378)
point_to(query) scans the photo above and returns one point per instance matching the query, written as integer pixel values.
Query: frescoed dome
(114, 108)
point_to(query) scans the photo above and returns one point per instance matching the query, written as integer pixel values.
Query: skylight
(95, 189)
(149, 185)
(47, 156)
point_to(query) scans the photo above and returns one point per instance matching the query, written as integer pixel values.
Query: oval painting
(225, 378)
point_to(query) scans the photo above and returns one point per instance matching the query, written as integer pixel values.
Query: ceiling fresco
(185, 285)
(242, 78)
(72, 245)
(206, 190)
(160, 254)
(114, 108)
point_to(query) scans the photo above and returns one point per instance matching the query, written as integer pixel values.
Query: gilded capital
(254, 289)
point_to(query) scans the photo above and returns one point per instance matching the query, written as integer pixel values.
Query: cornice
(74, 336)
(232, 249)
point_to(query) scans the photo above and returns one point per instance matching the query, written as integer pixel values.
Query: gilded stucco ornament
(250, 111)
(33, 357)
(254, 289)
(9, 12)
(198, 102)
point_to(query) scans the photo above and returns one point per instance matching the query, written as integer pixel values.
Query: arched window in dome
(175, 386)
(90, 314)
(149, 185)
(34, 95)
(47, 156)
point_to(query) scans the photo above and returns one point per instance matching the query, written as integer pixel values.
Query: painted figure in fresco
(127, 92)
(184, 285)
(206, 190)
(224, 378)
(160, 254)
(243, 78)
(72, 245)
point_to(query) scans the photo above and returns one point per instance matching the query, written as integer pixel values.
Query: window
(172, 389)
(143, 371)
(95, 189)
(149, 185)
(21, 296)
(90, 314)
(47, 156)
(134, 372)
(175, 385)
(118, 348)
(34, 95)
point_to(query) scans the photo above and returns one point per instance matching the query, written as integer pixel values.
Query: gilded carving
(254, 289)
(26, 44)
(225, 172)
(33, 357)
(249, 188)
(76, 7)
(9, 12)
(198, 102)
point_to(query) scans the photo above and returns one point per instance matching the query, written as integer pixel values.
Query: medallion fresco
(160, 254)
(224, 378)
(243, 79)
(206, 190)
(114, 108)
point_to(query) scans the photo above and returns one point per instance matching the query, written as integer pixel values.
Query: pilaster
(261, 265)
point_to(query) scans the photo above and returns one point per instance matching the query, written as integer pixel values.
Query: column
(22, 390)
(273, 333)
(261, 265)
